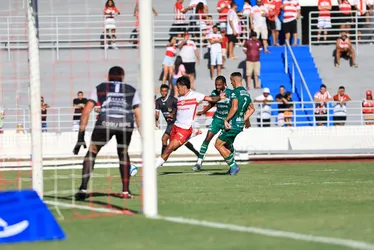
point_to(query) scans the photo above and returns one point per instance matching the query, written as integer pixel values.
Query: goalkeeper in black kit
(119, 110)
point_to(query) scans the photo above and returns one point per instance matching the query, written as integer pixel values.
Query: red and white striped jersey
(343, 44)
(179, 16)
(171, 51)
(321, 107)
(290, 10)
(111, 11)
(345, 7)
(324, 3)
(186, 109)
(361, 6)
(271, 6)
(368, 106)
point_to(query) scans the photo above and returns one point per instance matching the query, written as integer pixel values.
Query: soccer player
(119, 109)
(188, 101)
(223, 107)
(241, 109)
(167, 105)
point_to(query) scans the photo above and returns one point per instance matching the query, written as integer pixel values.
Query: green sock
(203, 149)
(230, 160)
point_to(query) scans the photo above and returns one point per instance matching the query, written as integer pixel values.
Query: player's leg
(190, 146)
(223, 143)
(98, 139)
(123, 141)
(214, 128)
(165, 137)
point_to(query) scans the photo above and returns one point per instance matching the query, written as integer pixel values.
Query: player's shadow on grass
(171, 173)
(219, 173)
(95, 194)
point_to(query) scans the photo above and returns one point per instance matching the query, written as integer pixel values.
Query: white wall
(253, 140)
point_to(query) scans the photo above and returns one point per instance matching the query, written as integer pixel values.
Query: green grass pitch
(324, 199)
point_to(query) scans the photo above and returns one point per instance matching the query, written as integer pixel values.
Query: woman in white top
(110, 11)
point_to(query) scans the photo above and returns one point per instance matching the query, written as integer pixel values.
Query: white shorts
(215, 58)
(224, 53)
(324, 23)
(278, 24)
(263, 31)
(110, 23)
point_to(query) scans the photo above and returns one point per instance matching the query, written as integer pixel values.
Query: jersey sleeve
(336, 98)
(199, 97)
(158, 108)
(213, 93)
(93, 97)
(233, 96)
(270, 97)
(328, 95)
(136, 100)
(75, 101)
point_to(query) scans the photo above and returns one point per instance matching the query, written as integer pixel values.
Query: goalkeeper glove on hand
(80, 142)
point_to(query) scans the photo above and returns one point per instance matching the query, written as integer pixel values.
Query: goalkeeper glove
(80, 142)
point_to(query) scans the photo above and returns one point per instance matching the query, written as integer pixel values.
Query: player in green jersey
(238, 117)
(223, 107)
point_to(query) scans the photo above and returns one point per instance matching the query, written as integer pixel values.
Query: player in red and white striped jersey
(324, 18)
(291, 14)
(188, 101)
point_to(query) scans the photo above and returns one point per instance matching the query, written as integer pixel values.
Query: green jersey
(223, 106)
(244, 99)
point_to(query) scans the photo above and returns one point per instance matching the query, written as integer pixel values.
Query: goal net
(38, 84)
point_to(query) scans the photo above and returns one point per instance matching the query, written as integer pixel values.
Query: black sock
(88, 166)
(163, 148)
(190, 147)
(124, 169)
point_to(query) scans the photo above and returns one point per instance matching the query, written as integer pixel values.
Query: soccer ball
(133, 170)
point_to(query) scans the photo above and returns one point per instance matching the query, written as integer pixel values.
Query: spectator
(288, 104)
(258, 23)
(232, 28)
(44, 108)
(344, 49)
(136, 13)
(19, 129)
(215, 39)
(223, 7)
(252, 48)
(168, 63)
(278, 23)
(79, 103)
(364, 8)
(190, 55)
(198, 21)
(273, 8)
(324, 18)
(224, 45)
(179, 71)
(2, 116)
(110, 11)
(345, 14)
(340, 108)
(291, 15)
(321, 98)
(368, 108)
(280, 98)
(194, 3)
(245, 16)
(264, 115)
(179, 25)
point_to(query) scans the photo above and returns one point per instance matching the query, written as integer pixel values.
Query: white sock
(199, 161)
(159, 162)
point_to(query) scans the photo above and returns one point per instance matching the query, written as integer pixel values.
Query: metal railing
(360, 28)
(84, 31)
(295, 65)
(303, 114)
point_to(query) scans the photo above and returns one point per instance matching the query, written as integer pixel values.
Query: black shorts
(339, 118)
(168, 128)
(290, 27)
(190, 67)
(232, 38)
(101, 136)
(177, 28)
(344, 19)
(361, 20)
(321, 117)
(271, 25)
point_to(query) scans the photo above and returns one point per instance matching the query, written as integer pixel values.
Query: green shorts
(228, 136)
(216, 126)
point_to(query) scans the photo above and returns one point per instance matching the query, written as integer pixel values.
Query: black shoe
(81, 195)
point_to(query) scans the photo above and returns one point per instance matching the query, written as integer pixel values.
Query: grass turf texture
(326, 199)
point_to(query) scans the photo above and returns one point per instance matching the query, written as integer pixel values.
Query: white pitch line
(272, 233)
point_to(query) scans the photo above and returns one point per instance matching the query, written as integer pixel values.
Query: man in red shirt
(223, 7)
(252, 48)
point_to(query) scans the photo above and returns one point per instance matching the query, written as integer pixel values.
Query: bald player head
(236, 79)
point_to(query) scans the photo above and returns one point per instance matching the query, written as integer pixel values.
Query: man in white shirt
(215, 39)
(188, 101)
(190, 55)
(232, 28)
(264, 115)
(258, 23)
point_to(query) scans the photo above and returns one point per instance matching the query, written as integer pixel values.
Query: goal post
(147, 97)
(34, 73)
